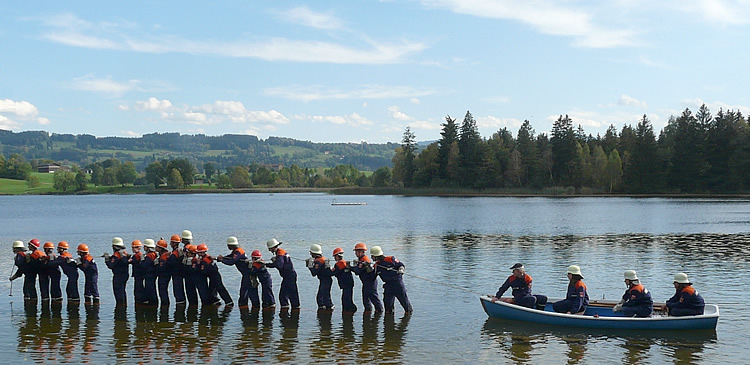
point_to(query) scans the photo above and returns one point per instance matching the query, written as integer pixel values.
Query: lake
(454, 250)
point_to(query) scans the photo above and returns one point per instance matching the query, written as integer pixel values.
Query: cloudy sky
(349, 71)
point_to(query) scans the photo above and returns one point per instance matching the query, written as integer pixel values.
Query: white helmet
(681, 278)
(630, 275)
(232, 241)
(149, 243)
(117, 242)
(376, 251)
(316, 249)
(187, 235)
(272, 243)
(18, 244)
(575, 270)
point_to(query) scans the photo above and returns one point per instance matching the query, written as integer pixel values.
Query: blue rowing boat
(599, 315)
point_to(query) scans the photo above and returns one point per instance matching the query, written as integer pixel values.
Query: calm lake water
(454, 249)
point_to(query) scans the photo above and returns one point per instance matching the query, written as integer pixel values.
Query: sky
(352, 71)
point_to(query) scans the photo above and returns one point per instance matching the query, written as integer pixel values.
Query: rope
(420, 277)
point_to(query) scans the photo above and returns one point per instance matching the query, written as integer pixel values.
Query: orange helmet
(49, 245)
(338, 251)
(162, 243)
(35, 242)
(202, 248)
(191, 248)
(256, 253)
(360, 246)
(175, 238)
(83, 248)
(137, 243)
(63, 244)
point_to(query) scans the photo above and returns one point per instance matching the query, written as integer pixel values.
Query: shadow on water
(522, 342)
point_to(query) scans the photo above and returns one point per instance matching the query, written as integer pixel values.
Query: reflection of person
(577, 298)
(391, 271)
(520, 282)
(686, 300)
(636, 302)
(319, 268)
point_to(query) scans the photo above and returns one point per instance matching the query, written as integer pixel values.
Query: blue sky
(350, 71)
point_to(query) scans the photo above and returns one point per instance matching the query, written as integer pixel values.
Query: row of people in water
(196, 279)
(636, 301)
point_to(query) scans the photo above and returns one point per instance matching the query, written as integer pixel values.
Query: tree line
(694, 153)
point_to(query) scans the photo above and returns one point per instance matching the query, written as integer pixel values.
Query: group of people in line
(636, 301)
(195, 275)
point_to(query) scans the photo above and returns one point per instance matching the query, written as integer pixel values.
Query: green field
(15, 187)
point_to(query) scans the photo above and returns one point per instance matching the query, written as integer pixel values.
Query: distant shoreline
(391, 191)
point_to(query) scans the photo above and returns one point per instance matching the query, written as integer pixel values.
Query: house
(272, 166)
(49, 168)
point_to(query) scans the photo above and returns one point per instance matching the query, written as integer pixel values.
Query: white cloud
(354, 119)
(498, 99)
(415, 101)
(303, 15)
(396, 113)
(42, 121)
(498, 123)
(312, 93)
(8, 124)
(19, 108)
(153, 104)
(631, 101)
(131, 133)
(694, 104)
(106, 86)
(719, 12)
(547, 17)
(425, 125)
(69, 30)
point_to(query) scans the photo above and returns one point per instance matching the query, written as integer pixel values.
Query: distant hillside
(225, 151)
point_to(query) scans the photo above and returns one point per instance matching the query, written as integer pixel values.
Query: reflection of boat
(336, 203)
(599, 315)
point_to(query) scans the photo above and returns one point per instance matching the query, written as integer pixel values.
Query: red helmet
(137, 243)
(162, 243)
(202, 248)
(175, 238)
(63, 244)
(256, 253)
(35, 242)
(83, 248)
(360, 246)
(49, 245)
(191, 248)
(338, 251)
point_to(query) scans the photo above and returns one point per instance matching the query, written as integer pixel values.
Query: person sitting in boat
(636, 302)
(686, 300)
(521, 284)
(577, 298)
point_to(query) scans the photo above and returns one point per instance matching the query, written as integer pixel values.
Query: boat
(334, 202)
(599, 315)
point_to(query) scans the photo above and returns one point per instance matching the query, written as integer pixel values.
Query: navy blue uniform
(324, 274)
(118, 263)
(148, 269)
(258, 269)
(215, 283)
(575, 301)
(138, 279)
(52, 268)
(686, 302)
(346, 282)
(190, 274)
(288, 293)
(393, 284)
(70, 270)
(22, 263)
(200, 281)
(31, 272)
(638, 302)
(239, 260)
(164, 275)
(522, 292)
(370, 297)
(91, 275)
(177, 270)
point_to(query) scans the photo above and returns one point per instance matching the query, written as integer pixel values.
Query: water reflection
(321, 347)
(368, 348)
(286, 346)
(521, 341)
(89, 347)
(394, 334)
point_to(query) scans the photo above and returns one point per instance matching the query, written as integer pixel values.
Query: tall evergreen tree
(564, 151)
(642, 172)
(687, 166)
(403, 162)
(448, 136)
(526, 146)
(471, 153)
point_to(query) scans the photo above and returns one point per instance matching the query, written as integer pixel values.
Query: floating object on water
(599, 315)
(336, 203)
